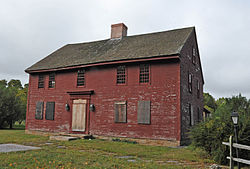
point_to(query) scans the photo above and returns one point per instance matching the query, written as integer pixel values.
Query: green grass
(94, 154)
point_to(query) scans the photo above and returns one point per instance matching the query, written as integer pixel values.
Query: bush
(210, 134)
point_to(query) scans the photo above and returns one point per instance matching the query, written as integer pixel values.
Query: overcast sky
(32, 29)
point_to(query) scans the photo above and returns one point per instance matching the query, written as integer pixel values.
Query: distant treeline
(13, 99)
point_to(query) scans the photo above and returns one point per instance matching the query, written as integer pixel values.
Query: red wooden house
(146, 87)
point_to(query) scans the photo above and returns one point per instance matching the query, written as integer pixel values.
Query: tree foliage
(210, 133)
(13, 99)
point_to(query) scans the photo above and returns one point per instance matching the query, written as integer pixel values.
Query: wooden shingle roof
(165, 43)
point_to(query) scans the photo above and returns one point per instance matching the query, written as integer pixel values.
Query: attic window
(144, 73)
(52, 81)
(121, 75)
(194, 56)
(41, 81)
(81, 77)
(190, 79)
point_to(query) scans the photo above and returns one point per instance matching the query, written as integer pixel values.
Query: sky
(32, 29)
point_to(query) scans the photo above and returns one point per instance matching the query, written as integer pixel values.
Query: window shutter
(50, 109)
(120, 112)
(39, 111)
(143, 113)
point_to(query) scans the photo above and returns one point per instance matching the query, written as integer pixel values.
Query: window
(41, 81)
(52, 81)
(143, 112)
(198, 89)
(191, 115)
(120, 112)
(144, 73)
(39, 111)
(50, 110)
(190, 79)
(121, 75)
(81, 77)
(198, 114)
(194, 56)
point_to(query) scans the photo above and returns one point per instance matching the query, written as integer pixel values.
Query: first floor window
(191, 114)
(120, 112)
(144, 73)
(50, 111)
(198, 114)
(143, 112)
(52, 81)
(40, 81)
(81, 77)
(39, 110)
(121, 75)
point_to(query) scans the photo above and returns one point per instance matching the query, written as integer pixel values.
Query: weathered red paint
(167, 92)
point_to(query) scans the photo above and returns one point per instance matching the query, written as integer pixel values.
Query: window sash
(144, 73)
(121, 75)
(52, 81)
(81, 78)
(40, 81)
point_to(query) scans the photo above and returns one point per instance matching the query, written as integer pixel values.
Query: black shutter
(39, 111)
(50, 109)
(120, 112)
(143, 113)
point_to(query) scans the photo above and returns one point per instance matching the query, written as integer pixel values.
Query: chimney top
(118, 30)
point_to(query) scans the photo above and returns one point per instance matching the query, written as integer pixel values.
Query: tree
(13, 98)
(209, 102)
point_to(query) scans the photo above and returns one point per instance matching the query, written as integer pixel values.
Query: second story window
(144, 73)
(121, 75)
(52, 81)
(198, 89)
(190, 79)
(40, 81)
(81, 77)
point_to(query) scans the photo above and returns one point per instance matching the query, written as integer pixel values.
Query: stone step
(63, 138)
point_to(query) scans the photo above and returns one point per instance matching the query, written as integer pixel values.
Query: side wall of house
(162, 92)
(191, 101)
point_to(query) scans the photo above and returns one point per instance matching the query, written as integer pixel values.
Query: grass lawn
(94, 154)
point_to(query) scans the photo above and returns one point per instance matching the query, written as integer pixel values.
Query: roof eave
(168, 57)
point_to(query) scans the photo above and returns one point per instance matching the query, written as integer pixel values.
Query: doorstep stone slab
(5, 148)
(63, 138)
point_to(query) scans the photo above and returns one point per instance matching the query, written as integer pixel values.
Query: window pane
(41, 81)
(52, 80)
(81, 78)
(121, 75)
(144, 73)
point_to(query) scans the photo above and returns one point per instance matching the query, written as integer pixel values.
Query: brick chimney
(118, 30)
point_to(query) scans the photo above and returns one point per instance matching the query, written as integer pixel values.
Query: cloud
(30, 30)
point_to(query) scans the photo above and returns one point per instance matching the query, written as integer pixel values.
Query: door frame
(85, 95)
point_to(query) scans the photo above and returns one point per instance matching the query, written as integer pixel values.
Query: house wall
(163, 92)
(187, 98)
